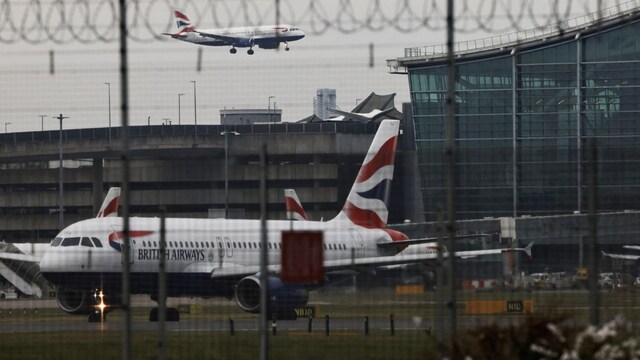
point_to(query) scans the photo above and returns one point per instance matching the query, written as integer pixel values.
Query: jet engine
(78, 302)
(283, 298)
(75, 302)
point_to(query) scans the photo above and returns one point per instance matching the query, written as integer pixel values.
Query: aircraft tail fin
(110, 204)
(366, 204)
(183, 23)
(295, 210)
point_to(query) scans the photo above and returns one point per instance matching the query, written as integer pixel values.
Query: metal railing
(500, 41)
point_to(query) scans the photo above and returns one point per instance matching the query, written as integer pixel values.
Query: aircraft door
(228, 247)
(357, 242)
(224, 247)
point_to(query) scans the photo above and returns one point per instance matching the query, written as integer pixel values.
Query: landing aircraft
(220, 257)
(265, 37)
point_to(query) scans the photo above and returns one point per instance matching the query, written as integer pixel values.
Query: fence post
(366, 325)
(326, 325)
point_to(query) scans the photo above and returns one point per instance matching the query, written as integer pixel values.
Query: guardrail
(190, 130)
(496, 42)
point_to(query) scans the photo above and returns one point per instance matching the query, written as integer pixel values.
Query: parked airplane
(220, 257)
(265, 37)
(295, 211)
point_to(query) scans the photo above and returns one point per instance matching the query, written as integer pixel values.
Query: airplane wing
(19, 257)
(426, 240)
(632, 247)
(333, 265)
(225, 38)
(621, 256)
(26, 252)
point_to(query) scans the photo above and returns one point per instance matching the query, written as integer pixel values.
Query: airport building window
(521, 124)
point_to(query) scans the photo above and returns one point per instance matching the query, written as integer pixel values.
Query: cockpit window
(56, 241)
(96, 242)
(74, 241)
(86, 242)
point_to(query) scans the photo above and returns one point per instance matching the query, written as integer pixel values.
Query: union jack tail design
(183, 22)
(294, 207)
(110, 204)
(366, 204)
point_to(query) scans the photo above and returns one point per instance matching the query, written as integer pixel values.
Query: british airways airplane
(265, 37)
(220, 257)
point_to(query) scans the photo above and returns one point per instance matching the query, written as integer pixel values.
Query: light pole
(270, 117)
(226, 170)
(109, 93)
(42, 122)
(61, 178)
(5, 126)
(195, 114)
(179, 96)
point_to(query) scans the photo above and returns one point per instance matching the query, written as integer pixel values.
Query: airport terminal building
(526, 106)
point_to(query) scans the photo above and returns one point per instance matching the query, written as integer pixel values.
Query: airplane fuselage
(88, 255)
(262, 36)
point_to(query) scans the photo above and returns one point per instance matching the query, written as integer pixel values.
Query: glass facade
(522, 125)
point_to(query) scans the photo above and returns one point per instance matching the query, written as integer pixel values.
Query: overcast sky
(333, 57)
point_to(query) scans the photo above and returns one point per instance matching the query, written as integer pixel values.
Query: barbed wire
(92, 21)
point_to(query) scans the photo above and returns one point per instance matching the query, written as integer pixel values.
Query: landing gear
(95, 316)
(250, 51)
(171, 314)
(286, 47)
(233, 50)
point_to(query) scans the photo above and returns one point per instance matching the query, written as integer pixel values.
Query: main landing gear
(250, 51)
(286, 47)
(233, 50)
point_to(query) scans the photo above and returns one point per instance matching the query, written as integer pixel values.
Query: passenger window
(191, 242)
(56, 241)
(86, 242)
(96, 242)
(71, 241)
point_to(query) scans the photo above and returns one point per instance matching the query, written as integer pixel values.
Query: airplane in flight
(220, 257)
(265, 37)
